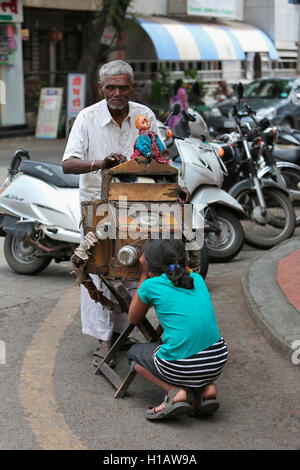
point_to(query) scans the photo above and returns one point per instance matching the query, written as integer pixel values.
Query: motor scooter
(39, 214)
(202, 172)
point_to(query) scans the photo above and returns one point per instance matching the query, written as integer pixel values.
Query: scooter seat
(287, 154)
(51, 173)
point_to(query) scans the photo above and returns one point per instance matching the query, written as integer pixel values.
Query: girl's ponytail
(169, 257)
(180, 276)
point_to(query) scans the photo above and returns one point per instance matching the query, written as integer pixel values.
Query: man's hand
(113, 159)
(184, 195)
(77, 166)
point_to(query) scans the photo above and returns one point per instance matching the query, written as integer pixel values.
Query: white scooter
(202, 172)
(39, 214)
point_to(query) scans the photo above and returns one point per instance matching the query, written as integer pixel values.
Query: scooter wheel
(22, 257)
(226, 244)
(199, 260)
(277, 224)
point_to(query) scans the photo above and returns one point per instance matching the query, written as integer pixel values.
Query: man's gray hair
(116, 67)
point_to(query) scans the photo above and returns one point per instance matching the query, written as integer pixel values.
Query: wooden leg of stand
(125, 384)
(150, 333)
(121, 339)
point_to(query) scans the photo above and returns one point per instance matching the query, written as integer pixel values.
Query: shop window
(43, 51)
(73, 50)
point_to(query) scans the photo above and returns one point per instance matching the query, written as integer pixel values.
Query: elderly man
(102, 137)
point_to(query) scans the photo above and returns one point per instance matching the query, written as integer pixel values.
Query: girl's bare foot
(180, 396)
(210, 392)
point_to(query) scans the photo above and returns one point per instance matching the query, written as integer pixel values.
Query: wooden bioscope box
(129, 211)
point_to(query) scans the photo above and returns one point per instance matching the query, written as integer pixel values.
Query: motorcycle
(288, 136)
(40, 216)
(202, 172)
(271, 216)
(285, 173)
(287, 155)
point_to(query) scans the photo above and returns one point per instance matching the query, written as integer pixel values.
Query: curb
(268, 306)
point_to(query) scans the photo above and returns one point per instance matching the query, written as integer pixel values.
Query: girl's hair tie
(173, 266)
(189, 269)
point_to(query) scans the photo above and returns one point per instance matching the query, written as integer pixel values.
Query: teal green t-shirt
(186, 315)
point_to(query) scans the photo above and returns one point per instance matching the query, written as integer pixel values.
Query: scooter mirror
(175, 109)
(195, 89)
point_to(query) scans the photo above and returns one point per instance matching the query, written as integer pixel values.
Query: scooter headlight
(128, 255)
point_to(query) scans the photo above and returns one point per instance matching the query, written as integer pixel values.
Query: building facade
(205, 39)
(280, 20)
(12, 110)
(235, 39)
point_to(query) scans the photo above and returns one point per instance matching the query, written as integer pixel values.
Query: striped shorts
(195, 371)
(198, 370)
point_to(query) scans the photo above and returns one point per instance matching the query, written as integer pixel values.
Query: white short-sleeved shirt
(95, 134)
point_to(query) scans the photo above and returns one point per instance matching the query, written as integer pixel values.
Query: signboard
(11, 11)
(215, 8)
(107, 36)
(75, 96)
(8, 43)
(49, 113)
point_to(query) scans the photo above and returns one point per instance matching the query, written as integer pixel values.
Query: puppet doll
(148, 144)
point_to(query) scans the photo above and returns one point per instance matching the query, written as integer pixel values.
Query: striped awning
(177, 40)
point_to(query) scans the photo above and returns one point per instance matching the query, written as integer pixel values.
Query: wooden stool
(151, 334)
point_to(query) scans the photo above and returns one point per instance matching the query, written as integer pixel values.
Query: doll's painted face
(142, 123)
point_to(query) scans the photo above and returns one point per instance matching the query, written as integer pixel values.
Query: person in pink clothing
(179, 96)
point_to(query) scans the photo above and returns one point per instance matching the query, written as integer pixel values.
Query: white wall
(13, 112)
(149, 7)
(286, 24)
(277, 18)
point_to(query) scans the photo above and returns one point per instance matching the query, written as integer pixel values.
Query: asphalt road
(51, 399)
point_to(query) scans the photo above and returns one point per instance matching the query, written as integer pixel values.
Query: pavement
(271, 286)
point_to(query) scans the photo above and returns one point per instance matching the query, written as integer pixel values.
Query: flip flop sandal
(171, 409)
(205, 407)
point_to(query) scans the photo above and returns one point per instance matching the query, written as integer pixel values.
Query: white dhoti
(98, 321)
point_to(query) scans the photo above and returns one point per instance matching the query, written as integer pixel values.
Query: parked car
(277, 99)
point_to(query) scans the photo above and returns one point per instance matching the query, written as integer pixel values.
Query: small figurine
(148, 144)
